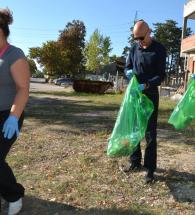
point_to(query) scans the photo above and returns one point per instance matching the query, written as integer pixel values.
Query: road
(44, 87)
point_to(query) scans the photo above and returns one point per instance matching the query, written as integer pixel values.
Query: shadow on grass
(181, 184)
(188, 132)
(36, 206)
(83, 115)
(169, 134)
(86, 115)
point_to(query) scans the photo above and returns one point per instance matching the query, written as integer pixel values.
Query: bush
(38, 75)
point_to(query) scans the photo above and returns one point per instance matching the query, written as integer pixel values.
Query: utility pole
(135, 18)
(130, 39)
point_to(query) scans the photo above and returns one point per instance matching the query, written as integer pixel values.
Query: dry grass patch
(61, 159)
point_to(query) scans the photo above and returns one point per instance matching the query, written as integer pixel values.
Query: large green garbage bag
(184, 112)
(131, 122)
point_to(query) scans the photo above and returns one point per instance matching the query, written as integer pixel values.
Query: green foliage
(38, 74)
(106, 49)
(93, 51)
(65, 56)
(169, 34)
(125, 51)
(113, 58)
(32, 65)
(52, 57)
(97, 51)
(72, 40)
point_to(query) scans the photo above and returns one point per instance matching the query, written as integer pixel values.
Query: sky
(38, 21)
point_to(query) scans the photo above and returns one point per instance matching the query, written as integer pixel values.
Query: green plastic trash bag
(131, 122)
(184, 112)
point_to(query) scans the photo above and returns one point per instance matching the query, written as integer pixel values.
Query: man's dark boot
(131, 167)
(149, 178)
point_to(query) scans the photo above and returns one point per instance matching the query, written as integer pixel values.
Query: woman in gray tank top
(14, 93)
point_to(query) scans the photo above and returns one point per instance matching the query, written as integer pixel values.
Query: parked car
(61, 81)
(67, 83)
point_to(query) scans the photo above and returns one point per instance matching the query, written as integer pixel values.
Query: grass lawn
(61, 160)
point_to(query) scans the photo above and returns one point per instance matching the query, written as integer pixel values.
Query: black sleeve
(161, 66)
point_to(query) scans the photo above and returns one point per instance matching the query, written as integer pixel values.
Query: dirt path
(44, 87)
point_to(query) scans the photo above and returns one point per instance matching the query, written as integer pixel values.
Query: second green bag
(131, 122)
(184, 112)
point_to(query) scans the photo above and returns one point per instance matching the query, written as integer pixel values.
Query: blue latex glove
(10, 127)
(141, 87)
(129, 74)
(193, 76)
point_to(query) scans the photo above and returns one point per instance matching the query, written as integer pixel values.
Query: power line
(35, 29)
(55, 29)
(103, 27)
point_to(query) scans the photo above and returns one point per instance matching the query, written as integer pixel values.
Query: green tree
(39, 74)
(125, 51)
(106, 49)
(93, 52)
(97, 51)
(113, 58)
(72, 40)
(52, 57)
(169, 34)
(32, 66)
(64, 56)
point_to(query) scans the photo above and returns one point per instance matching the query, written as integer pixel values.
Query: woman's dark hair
(6, 19)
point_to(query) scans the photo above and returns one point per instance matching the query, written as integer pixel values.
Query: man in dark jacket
(147, 60)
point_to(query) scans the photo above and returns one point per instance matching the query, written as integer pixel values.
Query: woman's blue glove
(10, 127)
(141, 87)
(129, 74)
(193, 76)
